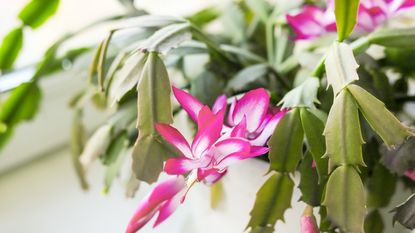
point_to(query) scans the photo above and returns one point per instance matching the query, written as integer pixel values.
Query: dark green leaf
(262, 230)
(207, 95)
(313, 128)
(10, 48)
(394, 37)
(154, 106)
(377, 195)
(117, 145)
(311, 191)
(405, 213)
(374, 222)
(167, 38)
(400, 159)
(286, 143)
(246, 76)
(382, 121)
(304, 95)
(345, 199)
(272, 200)
(343, 134)
(37, 12)
(3, 127)
(114, 158)
(346, 17)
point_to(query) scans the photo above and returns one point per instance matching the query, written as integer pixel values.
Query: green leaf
(382, 121)
(207, 79)
(3, 127)
(37, 12)
(272, 200)
(345, 199)
(78, 139)
(346, 17)
(313, 129)
(167, 38)
(304, 95)
(341, 66)
(343, 134)
(311, 191)
(114, 158)
(102, 58)
(260, 8)
(246, 76)
(405, 213)
(10, 48)
(400, 159)
(127, 77)
(204, 16)
(154, 106)
(21, 105)
(374, 222)
(117, 145)
(377, 195)
(262, 230)
(96, 146)
(394, 37)
(286, 143)
(216, 194)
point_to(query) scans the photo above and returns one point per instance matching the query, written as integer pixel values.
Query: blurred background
(39, 191)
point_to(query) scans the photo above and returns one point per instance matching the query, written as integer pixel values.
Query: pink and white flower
(164, 199)
(216, 146)
(410, 174)
(312, 21)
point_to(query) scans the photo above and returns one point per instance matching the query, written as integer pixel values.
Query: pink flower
(312, 21)
(410, 174)
(308, 221)
(209, 154)
(252, 110)
(164, 199)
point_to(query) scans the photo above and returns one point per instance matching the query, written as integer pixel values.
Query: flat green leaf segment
(286, 143)
(345, 199)
(127, 77)
(374, 222)
(10, 48)
(343, 134)
(341, 66)
(153, 106)
(246, 76)
(313, 129)
(405, 213)
(311, 191)
(382, 121)
(394, 37)
(21, 105)
(167, 38)
(304, 95)
(37, 12)
(272, 199)
(346, 17)
(377, 195)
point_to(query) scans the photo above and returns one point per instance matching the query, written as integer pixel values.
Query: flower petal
(269, 128)
(168, 208)
(309, 23)
(253, 105)
(235, 157)
(229, 146)
(149, 205)
(410, 175)
(188, 102)
(240, 129)
(209, 130)
(210, 176)
(174, 137)
(219, 104)
(182, 165)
